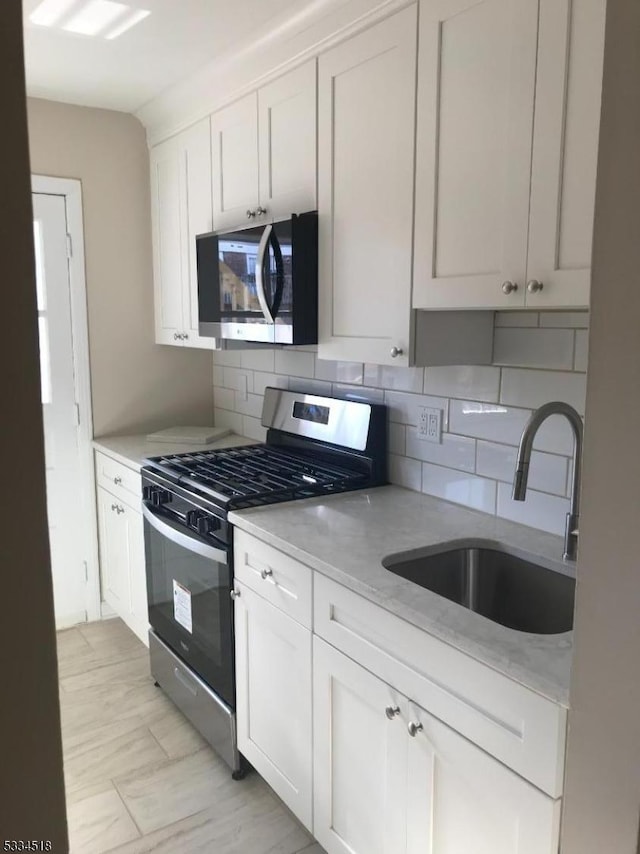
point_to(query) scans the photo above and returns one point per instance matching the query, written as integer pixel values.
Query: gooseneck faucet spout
(524, 458)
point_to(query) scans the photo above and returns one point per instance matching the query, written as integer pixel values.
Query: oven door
(190, 609)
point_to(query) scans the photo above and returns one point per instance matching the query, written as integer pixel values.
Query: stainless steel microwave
(260, 283)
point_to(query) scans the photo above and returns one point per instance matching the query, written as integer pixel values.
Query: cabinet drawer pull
(509, 287)
(266, 573)
(534, 286)
(396, 351)
(176, 336)
(392, 711)
(235, 594)
(414, 728)
(117, 481)
(250, 214)
(260, 210)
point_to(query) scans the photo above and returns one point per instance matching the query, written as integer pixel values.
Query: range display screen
(311, 412)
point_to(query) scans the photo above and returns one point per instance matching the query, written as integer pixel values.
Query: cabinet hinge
(69, 247)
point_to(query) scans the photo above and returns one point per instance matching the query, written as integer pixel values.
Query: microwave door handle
(176, 536)
(277, 252)
(260, 262)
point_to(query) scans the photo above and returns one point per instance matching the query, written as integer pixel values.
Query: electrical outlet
(430, 424)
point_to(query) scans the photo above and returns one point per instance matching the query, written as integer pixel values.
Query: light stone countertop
(132, 450)
(345, 537)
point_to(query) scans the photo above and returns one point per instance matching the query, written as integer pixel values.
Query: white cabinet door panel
(234, 150)
(565, 151)
(167, 241)
(287, 143)
(273, 678)
(359, 759)
(366, 115)
(475, 116)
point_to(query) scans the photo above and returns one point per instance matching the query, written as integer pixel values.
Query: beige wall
(136, 384)
(603, 774)
(31, 785)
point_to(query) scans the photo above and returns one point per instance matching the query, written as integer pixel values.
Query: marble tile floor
(138, 777)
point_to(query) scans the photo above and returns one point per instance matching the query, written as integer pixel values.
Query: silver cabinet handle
(534, 286)
(396, 351)
(413, 729)
(117, 481)
(266, 573)
(235, 594)
(260, 210)
(185, 337)
(117, 508)
(392, 711)
(250, 214)
(176, 336)
(509, 287)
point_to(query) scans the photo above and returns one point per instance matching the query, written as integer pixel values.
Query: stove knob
(160, 496)
(203, 525)
(146, 493)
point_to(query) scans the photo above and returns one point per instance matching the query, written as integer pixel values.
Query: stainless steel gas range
(315, 446)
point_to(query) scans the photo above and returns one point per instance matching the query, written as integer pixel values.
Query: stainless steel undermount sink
(488, 578)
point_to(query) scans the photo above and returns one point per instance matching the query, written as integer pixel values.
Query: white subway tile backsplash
(258, 360)
(565, 319)
(459, 487)
(582, 348)
(534, 348)
(397, 438)
(533, 388)
(405, 472)
(340, 372)
(516, 318)
(548, 472)
(295, 363)
(538, 357)
(404, 407)
(490, 421)
(456, 452)
(538, 510)
(468, 382)
(390, 377)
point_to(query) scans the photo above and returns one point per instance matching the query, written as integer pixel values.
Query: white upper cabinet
(366, 122)
(180, 209)
(565, 151)
(287, 143)
(508, 118)
(234, 151)
(264, 152)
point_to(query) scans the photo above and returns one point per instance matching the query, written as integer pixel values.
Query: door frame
(71, 190)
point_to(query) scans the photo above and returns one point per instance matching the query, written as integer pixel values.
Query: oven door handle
(262, 297)
(176, 536)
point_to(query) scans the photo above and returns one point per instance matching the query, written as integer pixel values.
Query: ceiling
(170, 44)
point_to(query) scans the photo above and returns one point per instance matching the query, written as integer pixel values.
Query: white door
(60, 410)
(273, 660)
(476, 84)
(234, 152)
(366, 120)
(565, 152)
(359, 758)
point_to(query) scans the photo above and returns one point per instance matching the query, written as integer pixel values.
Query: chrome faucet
(524, 458)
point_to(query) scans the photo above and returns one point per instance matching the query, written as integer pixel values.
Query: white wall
(537, 357)
(136, 384)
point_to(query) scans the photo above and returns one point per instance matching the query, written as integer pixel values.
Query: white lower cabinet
(273, 683)
(389, 778)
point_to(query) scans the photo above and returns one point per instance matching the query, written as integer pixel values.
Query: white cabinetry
(180, 209)
(389, 778)
(366, 118)
(121, 544)
(273, 670)
(264, 152)
(507, 138)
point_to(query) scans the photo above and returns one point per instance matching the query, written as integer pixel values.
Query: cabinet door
(273, 679)
(476, 84)
(359, 759)
(197, 218)
(234, 151)
(287, 143)
(461, 800)
(167, 242)
(366, 121)
(565, 151)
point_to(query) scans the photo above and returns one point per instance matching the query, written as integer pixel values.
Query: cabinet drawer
(121, 481)
(522, 729)
(278, 578)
